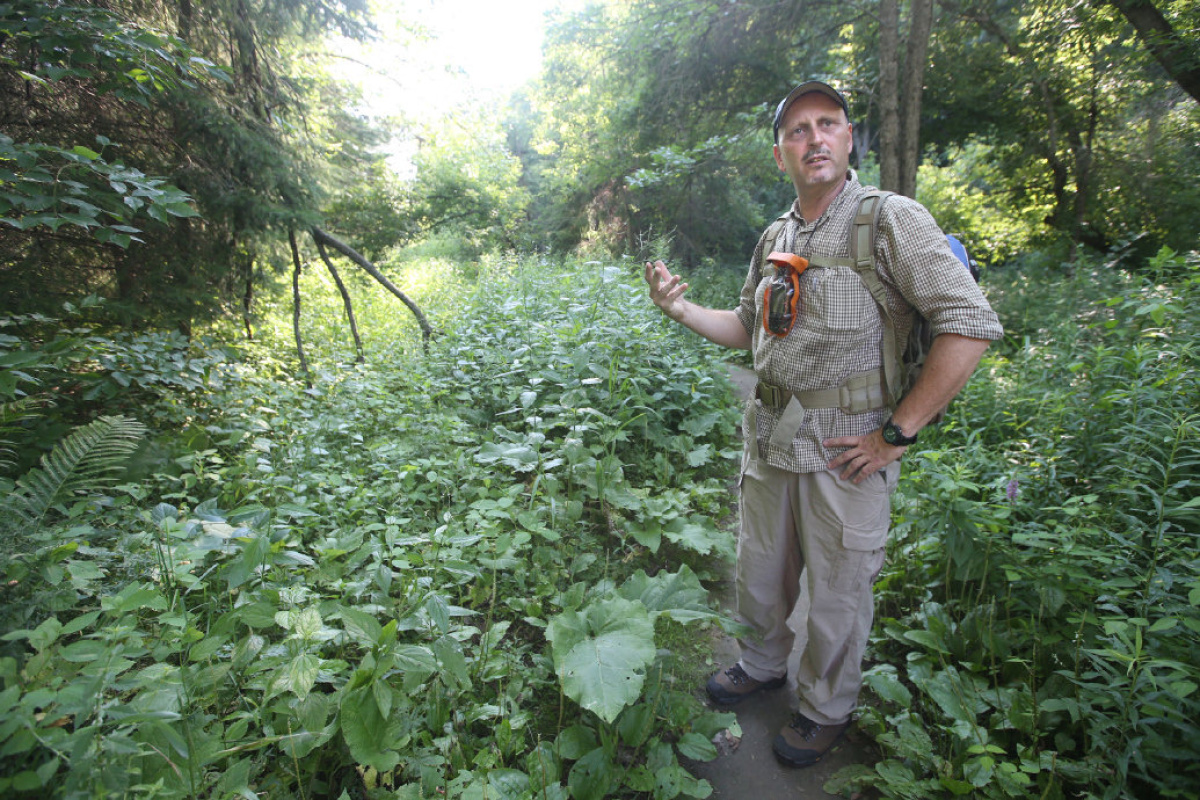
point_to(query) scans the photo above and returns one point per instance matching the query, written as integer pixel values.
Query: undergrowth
(452, 573)
(1038, 631)
(477, 571)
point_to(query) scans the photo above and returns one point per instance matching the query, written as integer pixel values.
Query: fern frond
(12, 414)
(89, 458)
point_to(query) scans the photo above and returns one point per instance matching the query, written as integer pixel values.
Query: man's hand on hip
(865, 455)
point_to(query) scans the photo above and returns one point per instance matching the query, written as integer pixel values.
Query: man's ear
(850, 125)
(778, 159)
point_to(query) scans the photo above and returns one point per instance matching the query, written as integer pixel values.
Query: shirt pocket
(840, 303)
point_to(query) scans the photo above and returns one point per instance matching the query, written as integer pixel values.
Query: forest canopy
(1056, 124)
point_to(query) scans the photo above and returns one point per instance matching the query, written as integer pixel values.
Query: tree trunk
(185, 18)
(889, 95)
(919, 29)
(247, 270)
(1175, 54)
(358, 348)
(244, 59)
(296, 307)
(352, 254)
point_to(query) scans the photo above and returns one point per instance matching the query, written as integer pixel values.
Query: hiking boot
(803, 742)
(733, 685)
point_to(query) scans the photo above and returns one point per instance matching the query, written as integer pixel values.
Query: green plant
(87, 459)
(1039, 625)
(383, 583)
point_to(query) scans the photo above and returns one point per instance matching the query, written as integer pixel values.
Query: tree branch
(345, 301)
(1169, 49)
(322, 237)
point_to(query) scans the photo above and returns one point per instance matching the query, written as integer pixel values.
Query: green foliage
(411, 578)
(111, 125)
(68, 183)
(968, 191)
(87, 459)
(468, 183)
(50, 43)
(53, 186)
(650, 117)
(65, 373)
(1041, 122)
(1039, 624)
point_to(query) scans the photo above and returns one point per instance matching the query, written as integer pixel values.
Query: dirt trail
(751, 772)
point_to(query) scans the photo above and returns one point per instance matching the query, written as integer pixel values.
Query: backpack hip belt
(860, 393)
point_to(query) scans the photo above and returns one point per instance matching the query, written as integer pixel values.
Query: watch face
(894, 436)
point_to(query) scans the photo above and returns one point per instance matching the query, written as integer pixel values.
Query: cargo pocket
(860, 559)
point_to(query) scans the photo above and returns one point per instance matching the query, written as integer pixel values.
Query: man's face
(814, 143)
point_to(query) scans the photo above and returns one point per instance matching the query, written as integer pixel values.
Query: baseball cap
(806, 88)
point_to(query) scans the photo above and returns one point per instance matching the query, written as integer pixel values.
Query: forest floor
(747, 768)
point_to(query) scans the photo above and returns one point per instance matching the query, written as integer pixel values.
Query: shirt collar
(849, 190)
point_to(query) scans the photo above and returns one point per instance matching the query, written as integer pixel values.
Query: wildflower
(1013, 489)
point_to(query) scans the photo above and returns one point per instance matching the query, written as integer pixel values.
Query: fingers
(863, 456)
(665, 288)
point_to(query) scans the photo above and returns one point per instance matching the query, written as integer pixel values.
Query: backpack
(901, 366)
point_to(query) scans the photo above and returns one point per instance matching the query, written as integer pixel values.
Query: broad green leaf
(883, 681)
(958, 695)
(417, 662)
(452, 663)
(307, 624)
(591, 776)
(45, 634)
(700, 535)
(647, 534)
(574, 741)
(696, 747)
(678, 594)
(508, 784)
(978, 771)
(520, 457)
(636, 724)
(700, 456)
(366, 731)
(601, 653)
(361, 626)
(928, 640)
(133, 597)
(301, 674)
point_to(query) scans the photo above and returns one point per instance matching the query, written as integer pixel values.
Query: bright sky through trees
(470, 50)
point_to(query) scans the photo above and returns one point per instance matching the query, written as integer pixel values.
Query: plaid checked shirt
(839, 329)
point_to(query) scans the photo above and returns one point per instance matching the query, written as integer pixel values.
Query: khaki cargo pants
(833, 532)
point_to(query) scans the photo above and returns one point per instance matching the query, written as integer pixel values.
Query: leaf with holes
(601, 652)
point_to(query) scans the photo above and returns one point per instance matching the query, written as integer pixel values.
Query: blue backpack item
(960, 252)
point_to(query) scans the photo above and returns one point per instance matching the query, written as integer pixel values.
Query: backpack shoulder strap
(862, 254)
(772, 235)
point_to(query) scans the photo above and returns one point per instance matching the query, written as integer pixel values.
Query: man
(817, 473)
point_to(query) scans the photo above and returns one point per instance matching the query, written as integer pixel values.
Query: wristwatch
(894, 436)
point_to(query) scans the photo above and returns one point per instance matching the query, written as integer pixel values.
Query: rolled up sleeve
(920, 271)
